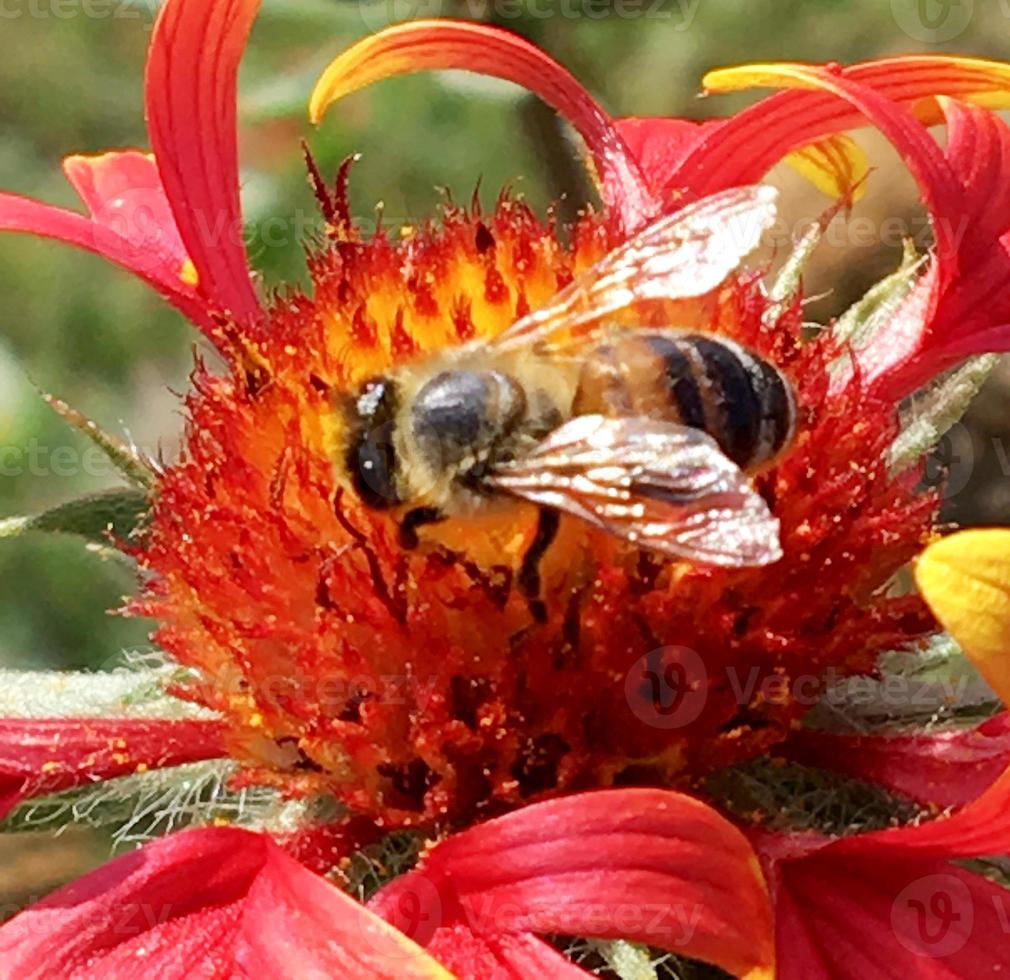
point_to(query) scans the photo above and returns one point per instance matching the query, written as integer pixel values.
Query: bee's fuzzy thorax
(414, 685)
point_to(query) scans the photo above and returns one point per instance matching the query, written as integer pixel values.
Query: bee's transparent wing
(676, 257)
(663, 487)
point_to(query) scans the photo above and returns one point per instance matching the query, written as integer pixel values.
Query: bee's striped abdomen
(705, 382)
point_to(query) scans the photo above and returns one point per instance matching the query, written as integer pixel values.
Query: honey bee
(648, 434)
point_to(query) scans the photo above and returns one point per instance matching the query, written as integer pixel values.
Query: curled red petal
(949, 317)
(835, 164)
(979, 829)
(943, 768)
(40, 756)
(660, 144)
(158, 269)
(191, 88)
(442, 44)
(923, 156)
(974, 313)
(207, 902)
(648, 865)
(123, 192)
(754, 140)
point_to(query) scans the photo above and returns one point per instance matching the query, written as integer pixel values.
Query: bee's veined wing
(660, 486)
(676, 257)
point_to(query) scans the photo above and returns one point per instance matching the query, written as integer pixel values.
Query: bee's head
(371, 457)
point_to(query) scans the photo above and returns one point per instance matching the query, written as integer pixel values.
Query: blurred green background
(70, 81)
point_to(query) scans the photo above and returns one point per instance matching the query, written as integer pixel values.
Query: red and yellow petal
(918, 79)
(207, 902)
(426, 45)
(965, 578)
(959, 308)
(755, 139)
(191, 85)
(40, 756)
(647, 865)
(893, 901)
(836, 164)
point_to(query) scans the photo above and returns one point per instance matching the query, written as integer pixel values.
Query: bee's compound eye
(372, 464)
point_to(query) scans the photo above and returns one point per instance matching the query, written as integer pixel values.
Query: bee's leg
(529, 571)
(414, 519)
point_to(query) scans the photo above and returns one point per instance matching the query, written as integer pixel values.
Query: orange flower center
(415, 685)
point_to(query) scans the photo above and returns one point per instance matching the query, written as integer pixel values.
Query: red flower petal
(191, 86)
(891, 903)
(844, 919)
(648, 865)
(209, 902)
(40, 756)
(502, 957)
(945, 768)
(157, 269)
(440, 44)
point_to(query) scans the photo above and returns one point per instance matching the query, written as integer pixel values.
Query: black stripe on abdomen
(777, 414)
(680, 378)
(739, 407)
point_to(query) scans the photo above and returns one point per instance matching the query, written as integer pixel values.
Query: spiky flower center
(415, 685)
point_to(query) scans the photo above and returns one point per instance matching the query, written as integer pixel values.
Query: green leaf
(931, 413)
(102, 518)
(139, 470)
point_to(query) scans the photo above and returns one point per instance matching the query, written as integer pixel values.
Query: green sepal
(931, 414)
(139, 470)
(789, 281)
(875, 309)
(629, 961)
(102, 518)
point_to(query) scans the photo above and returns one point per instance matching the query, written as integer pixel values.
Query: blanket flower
(562, 769)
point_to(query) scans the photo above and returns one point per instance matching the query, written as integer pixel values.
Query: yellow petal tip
(965, 579)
